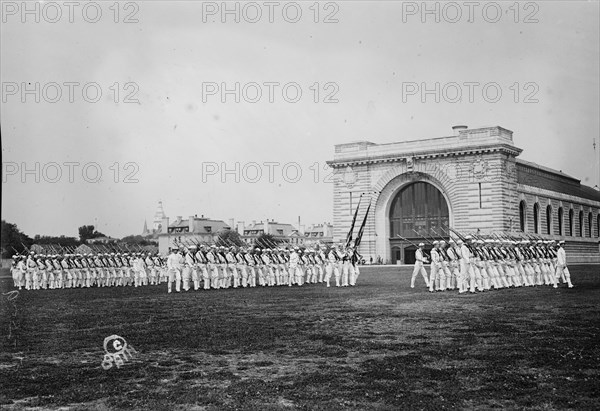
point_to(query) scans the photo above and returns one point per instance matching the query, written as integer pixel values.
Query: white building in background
(157, 223)
(318, 234)
(282, 232)
(191, 230)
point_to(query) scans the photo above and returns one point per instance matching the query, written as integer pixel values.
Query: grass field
(380, 345)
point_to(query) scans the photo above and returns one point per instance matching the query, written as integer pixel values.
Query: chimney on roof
(457, 129)
(240, 227)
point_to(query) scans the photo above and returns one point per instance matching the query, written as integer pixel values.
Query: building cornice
(426, 154)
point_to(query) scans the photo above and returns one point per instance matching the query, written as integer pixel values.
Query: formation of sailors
(54, 271)
(224, 267)
(195, 266)
(482, 264)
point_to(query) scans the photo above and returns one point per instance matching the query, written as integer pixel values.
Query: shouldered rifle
(422, 236)
(464, 239)
(407, 240)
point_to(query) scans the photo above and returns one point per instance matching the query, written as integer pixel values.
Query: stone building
(318, 234)
(281, 232)
(192, 230)
(472, 181)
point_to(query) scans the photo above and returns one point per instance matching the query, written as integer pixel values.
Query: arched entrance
(419, 207)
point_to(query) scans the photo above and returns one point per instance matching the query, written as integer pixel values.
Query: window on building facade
(598, 225)
(580, 223)
(549, 219)
(590, 224)
(560, 221)
(418, 207)
(536, 218)
(522, 214)
(571, 222)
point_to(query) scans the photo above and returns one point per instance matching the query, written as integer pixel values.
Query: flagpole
(350, 232)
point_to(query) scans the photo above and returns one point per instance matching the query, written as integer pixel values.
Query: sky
(136, 102)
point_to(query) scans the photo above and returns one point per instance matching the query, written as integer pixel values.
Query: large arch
(385, 200)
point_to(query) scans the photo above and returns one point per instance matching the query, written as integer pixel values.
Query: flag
(349, 235)
(362, 227)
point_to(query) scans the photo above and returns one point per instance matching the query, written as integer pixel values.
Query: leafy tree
(88, 231)
(60, 240)
(13, 239)
(138, 239)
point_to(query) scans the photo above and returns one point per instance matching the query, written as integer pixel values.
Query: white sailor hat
(435, 242)
(459, 242)
(561, 242)
(451, 241)
(421, 245)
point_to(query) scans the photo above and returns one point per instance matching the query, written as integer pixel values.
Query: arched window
(590, 224)
(549, 219)
(580, 223)
(560, 221)
(536, 218)
(571, 222)
(522, 214)
(421, 207)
